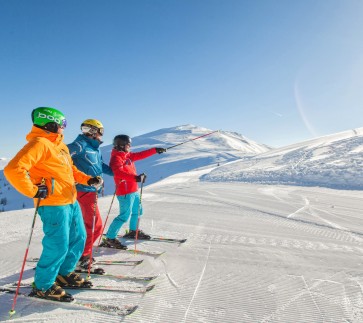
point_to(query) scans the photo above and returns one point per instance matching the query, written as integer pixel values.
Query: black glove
(95, 181)
(160, 150)
(42, 191)
(141, 177)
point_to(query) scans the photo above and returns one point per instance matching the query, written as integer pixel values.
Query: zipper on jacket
(74, 189)
(52, 187)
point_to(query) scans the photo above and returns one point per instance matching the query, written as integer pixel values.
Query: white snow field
(254, 253)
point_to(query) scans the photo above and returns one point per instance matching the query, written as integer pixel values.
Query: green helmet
(43, 115)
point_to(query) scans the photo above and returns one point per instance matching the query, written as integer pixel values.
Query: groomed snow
(254, 253)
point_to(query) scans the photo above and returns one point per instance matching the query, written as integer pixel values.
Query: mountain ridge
(332, 161)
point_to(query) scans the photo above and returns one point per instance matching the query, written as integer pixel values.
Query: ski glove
(95, 182)
(42, 191)
(140, 178)
(160, 150)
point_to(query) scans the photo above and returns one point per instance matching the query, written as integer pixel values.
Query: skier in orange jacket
(43, 170)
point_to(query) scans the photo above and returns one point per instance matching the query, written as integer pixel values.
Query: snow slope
(254, 253)
(334, 161)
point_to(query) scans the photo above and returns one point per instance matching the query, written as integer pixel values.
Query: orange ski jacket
(45, 159)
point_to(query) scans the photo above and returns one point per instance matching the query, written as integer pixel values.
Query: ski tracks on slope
(305, 207)
(198, 284)
(294, 221)
(337, 299)
(313, 211)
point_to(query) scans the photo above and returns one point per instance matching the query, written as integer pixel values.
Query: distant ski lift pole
(182, 143)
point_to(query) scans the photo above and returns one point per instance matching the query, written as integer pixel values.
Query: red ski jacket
(124, 170)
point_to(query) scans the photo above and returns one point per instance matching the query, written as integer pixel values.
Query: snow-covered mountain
(334, 161)
(216, 149)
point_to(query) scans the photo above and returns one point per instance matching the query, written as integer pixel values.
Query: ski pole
(93, 233)
(109, 211)
(104, 226)
(12, 311)
(182, 143)
(139, 211)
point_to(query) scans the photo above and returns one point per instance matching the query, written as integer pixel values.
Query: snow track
(254, 254)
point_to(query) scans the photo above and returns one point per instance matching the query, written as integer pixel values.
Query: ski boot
(112, 243)
(73, 280)
(83, 264)
(141, 235)
(54, 293)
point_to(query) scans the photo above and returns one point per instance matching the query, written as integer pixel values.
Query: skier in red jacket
(126, 180)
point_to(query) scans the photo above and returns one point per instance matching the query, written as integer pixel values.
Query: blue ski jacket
(87, 157)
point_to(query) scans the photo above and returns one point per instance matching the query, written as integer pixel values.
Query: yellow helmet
(92, 126)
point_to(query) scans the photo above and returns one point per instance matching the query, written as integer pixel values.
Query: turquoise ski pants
(63, 242)
(129, 206)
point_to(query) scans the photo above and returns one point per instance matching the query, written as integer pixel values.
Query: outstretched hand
(160, 150)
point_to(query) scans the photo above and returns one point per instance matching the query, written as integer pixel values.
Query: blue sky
(277, 71)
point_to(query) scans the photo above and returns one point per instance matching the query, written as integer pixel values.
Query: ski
(111, 288)
(161, 239)
(171, 240)
(118, 262)
(105, 262)
(146, 253)
(92, 306)
(104, 288)
(139, 252)
(123, 277)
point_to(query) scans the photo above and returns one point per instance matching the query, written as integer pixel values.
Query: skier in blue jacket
(87, 157)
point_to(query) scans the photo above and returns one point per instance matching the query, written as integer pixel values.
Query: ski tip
(12, 312)
(132, 309)
(149, 288)
(160, 254)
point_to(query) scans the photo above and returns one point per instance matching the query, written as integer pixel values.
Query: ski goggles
(64, 124)
(92, 130)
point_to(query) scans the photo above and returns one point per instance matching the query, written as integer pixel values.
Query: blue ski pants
(63, 242)
(129, 206)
